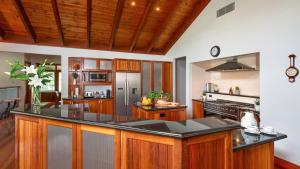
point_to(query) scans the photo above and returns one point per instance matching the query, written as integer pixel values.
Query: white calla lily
(35, 81)
(30, 70)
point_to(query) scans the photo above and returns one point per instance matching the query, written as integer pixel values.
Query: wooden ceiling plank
(116, 23)
(142, 23)
(25, 20)
(163, 26)
(58, 21)
(88, 26)
(198, 8)
(2, 34)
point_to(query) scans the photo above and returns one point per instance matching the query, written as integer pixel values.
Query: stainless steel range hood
(231, 65)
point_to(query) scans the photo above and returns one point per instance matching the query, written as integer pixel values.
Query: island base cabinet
(28, 146)
(144, 151)
(256, 157)
(98, 148)
(59, 145)
(53, 144)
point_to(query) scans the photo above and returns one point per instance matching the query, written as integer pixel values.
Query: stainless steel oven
(98, 77)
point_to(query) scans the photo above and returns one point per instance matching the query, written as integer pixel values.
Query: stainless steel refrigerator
(128, 91)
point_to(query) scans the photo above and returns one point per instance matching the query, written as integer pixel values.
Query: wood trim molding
(283, 164)
(88, 26)
(116, 23)
(142, 23)
(25, 19)
(58, 21)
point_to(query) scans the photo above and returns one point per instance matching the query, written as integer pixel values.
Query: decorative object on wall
(292, 71)
(215, 51)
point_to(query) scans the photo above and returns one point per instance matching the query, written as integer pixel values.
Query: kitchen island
(160, 112)
(69, 136)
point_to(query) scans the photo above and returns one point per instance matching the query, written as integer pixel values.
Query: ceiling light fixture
(132, 3)
(157, 9)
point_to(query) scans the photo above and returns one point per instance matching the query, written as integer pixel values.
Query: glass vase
(36, 97)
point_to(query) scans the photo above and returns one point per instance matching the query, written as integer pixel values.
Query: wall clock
(215, 51)
(292, 71)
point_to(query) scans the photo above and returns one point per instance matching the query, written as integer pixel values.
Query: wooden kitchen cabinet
(121, 65)
(94, 106)
(157, 76)
(134, 65)
(98, 148)
(167, 77)
(198, 109)
(128, 65)
(91, 64)
(105, 106)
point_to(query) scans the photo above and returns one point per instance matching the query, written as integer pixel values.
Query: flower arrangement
(155, 96)
(36, 77)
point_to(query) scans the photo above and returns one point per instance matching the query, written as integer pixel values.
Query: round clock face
(291, 72)
(215, 51)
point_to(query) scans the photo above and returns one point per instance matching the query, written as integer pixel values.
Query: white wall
(72, 52)
(270, 27)
(5, 81)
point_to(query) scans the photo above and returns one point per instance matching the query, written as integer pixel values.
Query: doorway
(180, 80)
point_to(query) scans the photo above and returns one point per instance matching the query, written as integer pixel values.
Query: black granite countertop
(243, 140)
(155, 108)
(85, 98)
(180, 129)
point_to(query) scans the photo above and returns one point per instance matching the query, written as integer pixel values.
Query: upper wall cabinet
(156, 76)
(127, 65)
(97, 64)
(90, 64)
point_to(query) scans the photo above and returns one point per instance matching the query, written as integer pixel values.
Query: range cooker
(228, 109)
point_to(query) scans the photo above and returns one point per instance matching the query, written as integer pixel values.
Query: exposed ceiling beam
(198, 8)
(163, 25)
(88, 26)
(2, 34)
(58, 21)
(141, 24)
(25, 19)
(116, 23)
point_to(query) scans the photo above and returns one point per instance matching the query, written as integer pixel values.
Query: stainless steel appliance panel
(157, 76)
(121, 96)
(146, 73)
(133, 89)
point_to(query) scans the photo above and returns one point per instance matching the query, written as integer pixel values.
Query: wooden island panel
(212, 151)
(150, 152)
(260, 156)
(135, 150)
(28, 137)
(175, 114)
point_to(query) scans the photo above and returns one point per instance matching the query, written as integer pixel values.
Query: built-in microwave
(99, 77)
